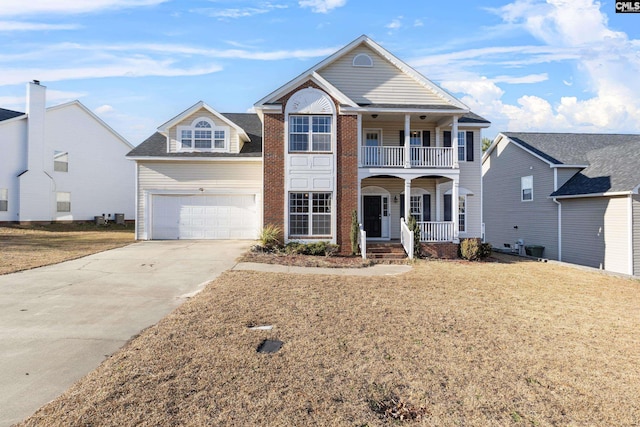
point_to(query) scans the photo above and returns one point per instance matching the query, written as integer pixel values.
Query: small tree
(412, 224)
(486, 143)
(355, 231)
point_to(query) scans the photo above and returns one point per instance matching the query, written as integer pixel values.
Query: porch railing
(421, 157)
(406, 238)
(362, 241)
(441, 231)
(383, 156)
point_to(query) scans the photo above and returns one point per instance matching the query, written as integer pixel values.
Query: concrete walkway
(375, 270)
(58, 323)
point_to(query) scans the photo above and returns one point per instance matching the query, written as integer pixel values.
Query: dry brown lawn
(463, 344)
(26, 247)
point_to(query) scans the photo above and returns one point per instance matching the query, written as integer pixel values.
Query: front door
(372, 213)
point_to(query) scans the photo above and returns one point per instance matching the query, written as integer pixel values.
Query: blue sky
(526, 65)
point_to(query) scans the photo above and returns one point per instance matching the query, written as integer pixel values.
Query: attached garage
(220, 216)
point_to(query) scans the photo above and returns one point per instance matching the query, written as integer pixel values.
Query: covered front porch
(386, 202)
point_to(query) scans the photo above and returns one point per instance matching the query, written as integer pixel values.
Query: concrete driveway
(58, 323)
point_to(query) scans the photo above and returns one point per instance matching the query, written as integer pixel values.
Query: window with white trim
(309, 214)
(462, 146)
(462, 213)
(203, 135)
(416, 207)
(310, 133)
(63, 202)
(362, 60)
(4, 199)
(526, 188)
(61, 161)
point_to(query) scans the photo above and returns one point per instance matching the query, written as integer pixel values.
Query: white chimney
(36, 100)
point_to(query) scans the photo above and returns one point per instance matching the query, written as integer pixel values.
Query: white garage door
(204, 217)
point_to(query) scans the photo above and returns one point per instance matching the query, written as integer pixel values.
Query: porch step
(385, 251)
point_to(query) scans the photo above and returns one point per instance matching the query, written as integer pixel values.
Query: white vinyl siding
(536, 222)
(595, 233)
(382, 83)
(185, 177)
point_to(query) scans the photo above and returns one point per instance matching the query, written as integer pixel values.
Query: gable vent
(362, 60)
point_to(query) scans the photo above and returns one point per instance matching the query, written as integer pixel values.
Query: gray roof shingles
(156, 144)
(9, 114)
(611, 160)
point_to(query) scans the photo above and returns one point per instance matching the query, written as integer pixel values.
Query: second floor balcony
(414, 157)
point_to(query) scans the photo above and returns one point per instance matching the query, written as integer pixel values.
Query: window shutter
(447, 138)
(447, 207)
(426, 207)
(402, 138)
(426, 138)
(469, 146)
(402, 206)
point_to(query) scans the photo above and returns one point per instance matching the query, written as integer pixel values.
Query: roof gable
(83, 108)
(193, 111)
(384, 65)
(612, 169)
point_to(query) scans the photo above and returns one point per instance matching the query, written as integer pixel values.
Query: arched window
(362, 60)
(203, 135)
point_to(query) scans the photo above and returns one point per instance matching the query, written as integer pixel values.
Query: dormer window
(362, 60)
(203, 135)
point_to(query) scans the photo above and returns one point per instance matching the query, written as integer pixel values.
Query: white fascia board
(582, 196)
(511, 141)
(359, 109)
(555, 166)
(191, 110)
(95, 117)
(195, 159)
(314, 77)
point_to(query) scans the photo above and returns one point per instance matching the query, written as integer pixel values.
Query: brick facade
(347, 178)
(347, 169)
(440, 250)
(273, 170)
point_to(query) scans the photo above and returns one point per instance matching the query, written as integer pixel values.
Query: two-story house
(576, 195)
(61, 163)
(360, 131)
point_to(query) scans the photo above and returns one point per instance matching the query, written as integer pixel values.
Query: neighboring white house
(61, 163)
(574, 194)
(200, 177)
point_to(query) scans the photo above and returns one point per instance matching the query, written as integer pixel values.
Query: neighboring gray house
(574, 194)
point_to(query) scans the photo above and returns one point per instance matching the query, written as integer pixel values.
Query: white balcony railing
(441, 231)
(421, 157)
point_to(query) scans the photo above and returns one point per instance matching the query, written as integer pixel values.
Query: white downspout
(555, 200)
(630, 233)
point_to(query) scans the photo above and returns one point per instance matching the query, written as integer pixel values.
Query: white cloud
(418, 23)
(235, 13)
(104, 109)
(573, 32)
(395, 23)
(34, 26)
(69, 61)
(68, 7)
(322, 6)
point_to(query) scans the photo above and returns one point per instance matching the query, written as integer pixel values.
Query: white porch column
(455, 191)
(454, 141)
(407, 141)
(438, 204)
(359, 142)
(407, 198)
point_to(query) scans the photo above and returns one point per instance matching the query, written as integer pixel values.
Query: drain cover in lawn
(269, 346)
